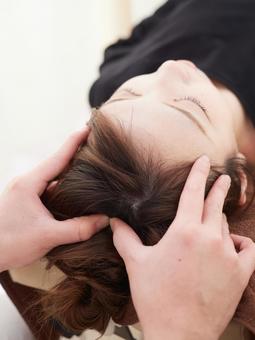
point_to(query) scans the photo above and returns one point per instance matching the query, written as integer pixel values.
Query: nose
(176, 69)
(187, 62)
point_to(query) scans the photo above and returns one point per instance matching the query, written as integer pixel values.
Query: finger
(241, 242)
(191, 201)
(51, 186)
(246, 248)
(125, 240)
(225, 226)
(226, 235)
(213, 206)
(55, 164)
(77, 229)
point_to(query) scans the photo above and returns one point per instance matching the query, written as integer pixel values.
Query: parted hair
(111, 175)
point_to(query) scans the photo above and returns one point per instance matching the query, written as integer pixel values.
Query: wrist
(169, 333)
(172, 336)
(182, 326)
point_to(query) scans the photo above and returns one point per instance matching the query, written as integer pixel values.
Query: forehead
(153, 125)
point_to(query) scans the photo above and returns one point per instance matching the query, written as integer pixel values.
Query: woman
(180, 86)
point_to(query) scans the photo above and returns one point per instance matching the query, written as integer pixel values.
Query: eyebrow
(189, 115)
(185, 112)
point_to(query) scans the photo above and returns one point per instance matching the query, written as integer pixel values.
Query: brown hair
(111, 175)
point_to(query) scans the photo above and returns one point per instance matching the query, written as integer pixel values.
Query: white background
(50, 51)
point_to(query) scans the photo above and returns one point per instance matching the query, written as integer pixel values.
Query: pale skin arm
(178, 285)
(28, 230)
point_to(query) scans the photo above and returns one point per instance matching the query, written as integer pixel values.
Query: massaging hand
(188, 285)
(27, 229)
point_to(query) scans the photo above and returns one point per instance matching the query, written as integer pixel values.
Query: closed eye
(125, 90)
(196, 102)
(193, 100)
(134, 94)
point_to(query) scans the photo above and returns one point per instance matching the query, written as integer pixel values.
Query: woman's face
(178, 111)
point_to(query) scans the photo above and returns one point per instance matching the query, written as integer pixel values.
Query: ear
(244, 183)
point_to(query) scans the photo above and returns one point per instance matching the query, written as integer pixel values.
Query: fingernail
(83, 129)
(204, 159)
(88, 124)
(112, 222)
(102, 221)
(226, 179)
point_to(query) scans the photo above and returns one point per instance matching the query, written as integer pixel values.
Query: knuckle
(85, 231)
(193, 186)
(215, 206)
(232, 258)
(188, 236)
(215, 243)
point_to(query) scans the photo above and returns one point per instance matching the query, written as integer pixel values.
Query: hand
(189, 284)
(28, 230)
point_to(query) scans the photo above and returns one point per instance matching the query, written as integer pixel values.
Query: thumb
(246, 253)
(125, 240)
(78, 229)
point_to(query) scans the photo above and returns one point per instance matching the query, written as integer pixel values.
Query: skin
(34, 231)
(192, 270)
(156, 114)
(183, 309)
(28, 230)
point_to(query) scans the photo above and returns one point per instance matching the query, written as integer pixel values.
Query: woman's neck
(243, 127)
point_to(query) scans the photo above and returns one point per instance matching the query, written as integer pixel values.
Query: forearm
(3, 264)
(170, 336)
(173, 334)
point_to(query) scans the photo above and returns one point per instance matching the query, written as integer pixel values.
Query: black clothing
(217, 35)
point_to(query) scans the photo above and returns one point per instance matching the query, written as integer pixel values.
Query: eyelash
(130, 90)
(192, 99)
